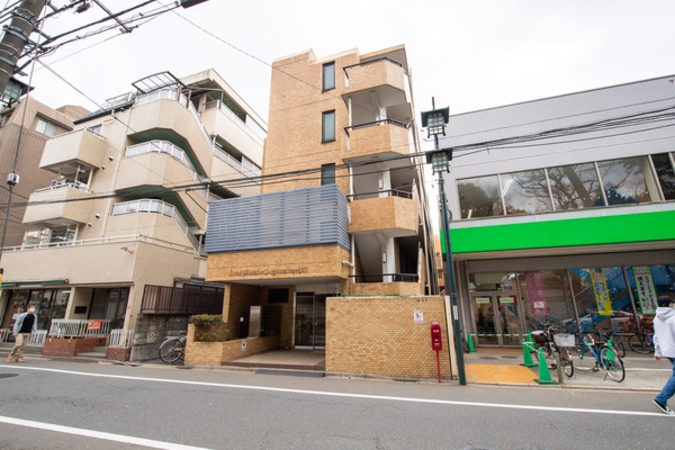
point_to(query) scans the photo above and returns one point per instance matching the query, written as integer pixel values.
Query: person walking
(25, 325)
(664, 347)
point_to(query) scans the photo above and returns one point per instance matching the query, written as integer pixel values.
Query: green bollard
(544, 374)
(527, 355)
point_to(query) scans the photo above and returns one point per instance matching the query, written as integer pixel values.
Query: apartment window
(328, 76)
(327, 174)
(95, 129)
(45, 127)
(328, 127)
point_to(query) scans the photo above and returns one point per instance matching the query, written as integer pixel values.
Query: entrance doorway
(498, 318)
(310, 320)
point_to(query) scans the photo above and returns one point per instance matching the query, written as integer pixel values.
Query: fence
(4, 333)
(121, 338)
(79, 328)
(37, 339)
(170, 300)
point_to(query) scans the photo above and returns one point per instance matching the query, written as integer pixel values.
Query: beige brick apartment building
(337, 249)
(117, 231)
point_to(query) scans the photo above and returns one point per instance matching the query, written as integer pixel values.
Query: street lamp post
(434, 121)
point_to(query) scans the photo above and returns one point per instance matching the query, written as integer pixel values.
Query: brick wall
(377, 335)
(214, 353)
(71, 347)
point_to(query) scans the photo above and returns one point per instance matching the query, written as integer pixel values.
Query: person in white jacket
(25, 325)
(664, 347)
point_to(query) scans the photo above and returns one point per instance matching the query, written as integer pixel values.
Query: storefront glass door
(498, 318)
(310, 320)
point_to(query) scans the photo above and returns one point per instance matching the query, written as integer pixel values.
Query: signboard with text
(644, 283)
(602, 299)
(535, 292)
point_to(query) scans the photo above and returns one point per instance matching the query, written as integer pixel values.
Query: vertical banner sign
(602, 299)
(644, 282)
(535, 293)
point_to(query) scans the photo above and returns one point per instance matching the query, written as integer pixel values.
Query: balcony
(395, 214)
(161, 164)
(59, 205)
(383, 73)
(377, 140)
(66, 152)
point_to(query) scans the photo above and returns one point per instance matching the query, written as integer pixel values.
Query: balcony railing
(78, 328)
(378, 123)
(158, 146)
(378, 194)
(58, 184)
(37, 339)
(386, 278)
(244, 166)
(170, 300)
(253, 131)
(100, 241)
(156, 207)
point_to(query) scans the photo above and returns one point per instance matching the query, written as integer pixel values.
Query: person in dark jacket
(25, 325)
(664, 347)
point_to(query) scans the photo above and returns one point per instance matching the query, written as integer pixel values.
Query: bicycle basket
(564, 339)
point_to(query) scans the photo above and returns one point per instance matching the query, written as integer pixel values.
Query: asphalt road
(66, 405)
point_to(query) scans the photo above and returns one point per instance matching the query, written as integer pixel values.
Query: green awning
(33, 283)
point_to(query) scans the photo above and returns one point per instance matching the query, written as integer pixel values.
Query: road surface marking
(97, 434)
(341, 394)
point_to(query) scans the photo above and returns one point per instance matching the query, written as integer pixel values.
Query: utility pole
(17, 34)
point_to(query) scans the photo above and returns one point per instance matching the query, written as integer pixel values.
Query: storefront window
(546, 297)
(526, 192)
(666, 174)
(480, 197)
(110, 304)
(627, 181)
(575, 187)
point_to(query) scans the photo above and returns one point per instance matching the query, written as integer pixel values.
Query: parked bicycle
(591, 355)
(642, 342)
(465, 345)
(173, 349)
(613, 336)
(546, 341)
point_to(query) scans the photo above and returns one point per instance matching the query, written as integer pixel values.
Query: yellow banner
(601, 291)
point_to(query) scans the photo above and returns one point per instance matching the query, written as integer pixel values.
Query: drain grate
(8, 375)
(510, 357)
(488, 357)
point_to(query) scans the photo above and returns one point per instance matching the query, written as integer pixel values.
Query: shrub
(209, 328)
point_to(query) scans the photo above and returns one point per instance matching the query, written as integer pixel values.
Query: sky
(469, 55)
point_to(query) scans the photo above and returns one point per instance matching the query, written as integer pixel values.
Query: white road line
(341, 394)
(651, 370)
(97, 434)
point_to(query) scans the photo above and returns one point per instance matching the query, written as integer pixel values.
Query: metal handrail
(378, 123)
(80, 186)
(389, 192)
(94, 241)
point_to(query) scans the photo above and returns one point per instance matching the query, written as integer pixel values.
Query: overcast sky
(470, 55)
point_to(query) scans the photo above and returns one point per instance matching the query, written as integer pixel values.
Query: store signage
(646, 290)
(94, 325)
(480, 300)
(535, 293)
(601, 291)
(507, 300)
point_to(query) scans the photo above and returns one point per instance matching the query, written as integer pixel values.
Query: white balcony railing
(164, 147)
(156, 207)
(4, 334)
(251, 128)
(79, 328)
(58, 184)
(247, 167)
(121, 338)
(98, 241)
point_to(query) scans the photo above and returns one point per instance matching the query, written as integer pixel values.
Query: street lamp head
(440, 160)
(435, 120)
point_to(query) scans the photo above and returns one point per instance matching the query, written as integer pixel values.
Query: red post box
(436, 342)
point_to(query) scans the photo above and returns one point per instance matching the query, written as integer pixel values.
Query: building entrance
(310, 320)
(498, 318)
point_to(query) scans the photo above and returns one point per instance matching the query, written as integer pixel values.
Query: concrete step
(93, 355)
(100, 349)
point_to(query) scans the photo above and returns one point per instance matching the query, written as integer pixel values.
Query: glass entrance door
(310, 320)
(498, 318)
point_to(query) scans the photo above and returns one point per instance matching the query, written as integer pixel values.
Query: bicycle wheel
(167, 351)
(465, 345)
(618, 345)
(639, 343)
(613, 364)
(583, 358)
(567, 363)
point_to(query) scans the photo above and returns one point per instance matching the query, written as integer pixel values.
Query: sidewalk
(503, 367)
